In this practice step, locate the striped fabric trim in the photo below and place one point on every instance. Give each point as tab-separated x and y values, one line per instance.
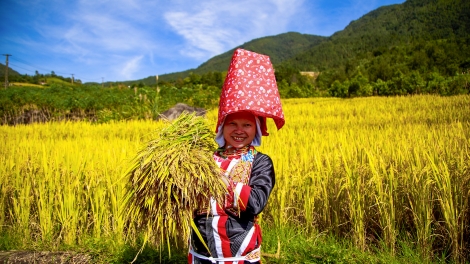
253	256
236	194
222	242
218	241
245	243
231	165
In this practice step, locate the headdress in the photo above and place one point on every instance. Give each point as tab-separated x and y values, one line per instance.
251	86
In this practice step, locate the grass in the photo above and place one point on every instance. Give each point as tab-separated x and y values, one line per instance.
27	84
297	246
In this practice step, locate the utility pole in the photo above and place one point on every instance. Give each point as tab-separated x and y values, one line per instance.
102	79
6	70
72	77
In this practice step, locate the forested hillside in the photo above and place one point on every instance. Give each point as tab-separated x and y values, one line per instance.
418	47
279	48
415	21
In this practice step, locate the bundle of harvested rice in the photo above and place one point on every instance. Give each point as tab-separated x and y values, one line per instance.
172	176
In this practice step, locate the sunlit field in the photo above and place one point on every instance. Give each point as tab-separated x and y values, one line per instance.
375	171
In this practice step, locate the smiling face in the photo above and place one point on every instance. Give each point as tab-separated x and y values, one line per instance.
239	129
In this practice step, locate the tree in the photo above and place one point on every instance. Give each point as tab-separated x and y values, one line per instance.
396	86
295	91
436	83
339	89
419	61
381	88
360	86
414	83
459	84
193	79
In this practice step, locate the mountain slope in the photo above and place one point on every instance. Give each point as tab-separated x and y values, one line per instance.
279	48
386	27
425	29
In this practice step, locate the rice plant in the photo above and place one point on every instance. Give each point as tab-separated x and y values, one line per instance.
375	170
172	176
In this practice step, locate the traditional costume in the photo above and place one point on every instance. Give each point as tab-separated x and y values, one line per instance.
229	232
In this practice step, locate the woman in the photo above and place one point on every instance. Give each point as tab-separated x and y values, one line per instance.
229	233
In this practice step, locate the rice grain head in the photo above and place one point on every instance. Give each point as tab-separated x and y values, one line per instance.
172	176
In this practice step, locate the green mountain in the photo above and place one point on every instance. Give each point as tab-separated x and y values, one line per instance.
421	35
279	48
418	47
386	27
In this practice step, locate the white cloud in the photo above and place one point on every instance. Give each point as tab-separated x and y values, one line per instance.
200	31
130	67
212	28
96	28
97	32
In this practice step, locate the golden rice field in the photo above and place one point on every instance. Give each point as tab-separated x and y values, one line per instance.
372	170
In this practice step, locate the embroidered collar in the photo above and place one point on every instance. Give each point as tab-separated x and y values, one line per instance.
246	153
231	152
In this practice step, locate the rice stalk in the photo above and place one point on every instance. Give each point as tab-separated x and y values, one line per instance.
354	187
420	202
170	178
453	204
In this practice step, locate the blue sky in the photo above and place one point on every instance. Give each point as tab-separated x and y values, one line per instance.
117	40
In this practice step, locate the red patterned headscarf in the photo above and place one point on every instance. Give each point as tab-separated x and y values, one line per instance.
251	86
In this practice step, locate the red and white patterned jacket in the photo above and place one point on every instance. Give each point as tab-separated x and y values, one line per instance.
231	230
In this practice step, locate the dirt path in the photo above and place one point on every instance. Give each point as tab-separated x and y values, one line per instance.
40	257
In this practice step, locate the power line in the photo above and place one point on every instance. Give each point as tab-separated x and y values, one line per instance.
96	79
16	66
35	69
46	70
34	66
